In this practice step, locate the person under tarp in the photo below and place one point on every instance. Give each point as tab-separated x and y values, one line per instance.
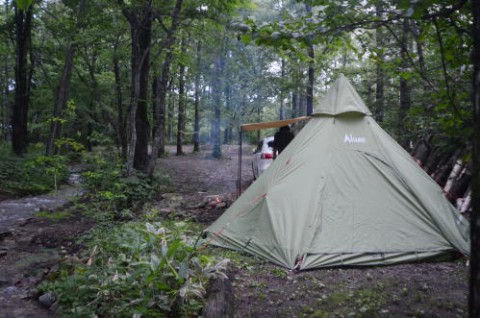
281	139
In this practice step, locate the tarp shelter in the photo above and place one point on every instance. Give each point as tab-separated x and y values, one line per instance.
260	126
343	192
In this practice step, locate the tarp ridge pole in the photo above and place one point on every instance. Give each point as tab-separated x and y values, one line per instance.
239	178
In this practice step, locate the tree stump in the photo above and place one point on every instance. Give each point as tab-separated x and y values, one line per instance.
219	302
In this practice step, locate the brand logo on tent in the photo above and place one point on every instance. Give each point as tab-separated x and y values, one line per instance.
351	139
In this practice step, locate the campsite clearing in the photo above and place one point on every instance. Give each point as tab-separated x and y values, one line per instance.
262	289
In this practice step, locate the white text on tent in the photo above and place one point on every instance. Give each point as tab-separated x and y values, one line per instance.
350	139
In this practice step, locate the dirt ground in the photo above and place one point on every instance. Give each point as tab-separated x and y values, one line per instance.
33	248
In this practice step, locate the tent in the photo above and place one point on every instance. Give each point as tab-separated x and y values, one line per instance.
343	193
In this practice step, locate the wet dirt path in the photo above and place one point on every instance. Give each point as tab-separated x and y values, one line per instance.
29	250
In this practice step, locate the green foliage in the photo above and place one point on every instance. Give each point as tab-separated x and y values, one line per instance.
113	194
54	166
57	215
136	269
33	174
24	4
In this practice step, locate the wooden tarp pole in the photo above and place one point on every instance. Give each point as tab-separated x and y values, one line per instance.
239	179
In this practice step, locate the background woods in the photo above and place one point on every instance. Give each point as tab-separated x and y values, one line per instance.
138	75
147	74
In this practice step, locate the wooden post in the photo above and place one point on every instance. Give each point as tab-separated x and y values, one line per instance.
220	301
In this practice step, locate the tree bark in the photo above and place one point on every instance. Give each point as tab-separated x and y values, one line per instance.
23	31
379	92
140	21
220	297
5	113
474	295
228	117
311	71
217	104
404	90
121	120
61	98
141	54
282	90
5	107
422	150
63	88
196	125
181	107
163	85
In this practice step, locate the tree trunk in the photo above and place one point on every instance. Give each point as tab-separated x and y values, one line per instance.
61	98
311	71
63	88
181	107
140	21
459	186
5	103
295	103
169	119
404	91
282	90
141	54
23	31
121	120
228	118
196	125
217	104
163	86
474	295
442	171
422	150
379	93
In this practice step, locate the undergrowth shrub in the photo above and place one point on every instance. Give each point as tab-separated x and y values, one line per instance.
112	194
136	269
31	174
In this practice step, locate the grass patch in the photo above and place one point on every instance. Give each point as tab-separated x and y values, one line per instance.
54	216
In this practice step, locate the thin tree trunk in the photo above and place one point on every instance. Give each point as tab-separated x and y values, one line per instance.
311	80
474	295
181	107
169	119
282	90
142	53
295	103
379	93
404	90
63	88
163	85
228	118
61	98
217	102
23	29
121	120
196	125
94	101
5	103
311	72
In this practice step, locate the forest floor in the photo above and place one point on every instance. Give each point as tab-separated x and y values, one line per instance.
32	247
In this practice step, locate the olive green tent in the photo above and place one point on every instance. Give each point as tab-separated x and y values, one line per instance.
342	193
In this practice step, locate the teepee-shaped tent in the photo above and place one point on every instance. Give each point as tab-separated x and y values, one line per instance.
342	193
